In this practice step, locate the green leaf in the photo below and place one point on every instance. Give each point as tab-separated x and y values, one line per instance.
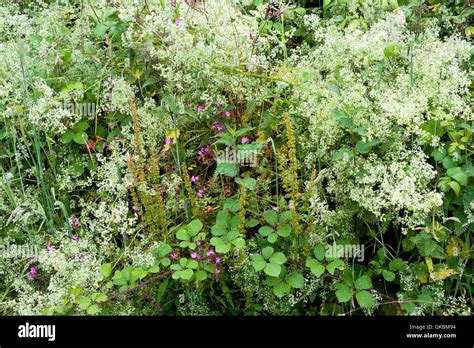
81	127
267	252
258	262
164	250
94	309
396	265
227	168
271	217
278	258
79	139
363	283
272	238
194	227
201	275
335	264
342	117
319	252
343	153
67	137
272	269
186	274
365	299
84	303
455	187
182	235
247	182
296	280
265	230
388	275
458	174
106	269
343	293
284	230
232	205
364	147
316	268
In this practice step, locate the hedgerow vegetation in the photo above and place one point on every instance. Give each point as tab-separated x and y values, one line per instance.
236	157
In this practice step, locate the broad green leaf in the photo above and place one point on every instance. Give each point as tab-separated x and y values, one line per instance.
316	268
194	227
106	269
271	217
363	283
265	230
343	293
365	299
296	280
258	262
267	252
278	258
319	252
335	264
272	269
182	235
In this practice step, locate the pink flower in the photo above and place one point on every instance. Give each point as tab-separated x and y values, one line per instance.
33	273
218	104
210	252
217	126
227	114
75	238
200	193
75	221
168	141
275	208
135	208
178	21
49	246
218	259
200	108
244	140
194	178
173	256
217	271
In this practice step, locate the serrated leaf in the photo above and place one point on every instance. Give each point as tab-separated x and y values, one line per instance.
343	293
365	299
363	283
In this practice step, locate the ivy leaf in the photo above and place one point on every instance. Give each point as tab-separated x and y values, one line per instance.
365	299
363	283
296	280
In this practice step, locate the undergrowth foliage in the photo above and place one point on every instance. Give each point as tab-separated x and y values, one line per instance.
236	157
